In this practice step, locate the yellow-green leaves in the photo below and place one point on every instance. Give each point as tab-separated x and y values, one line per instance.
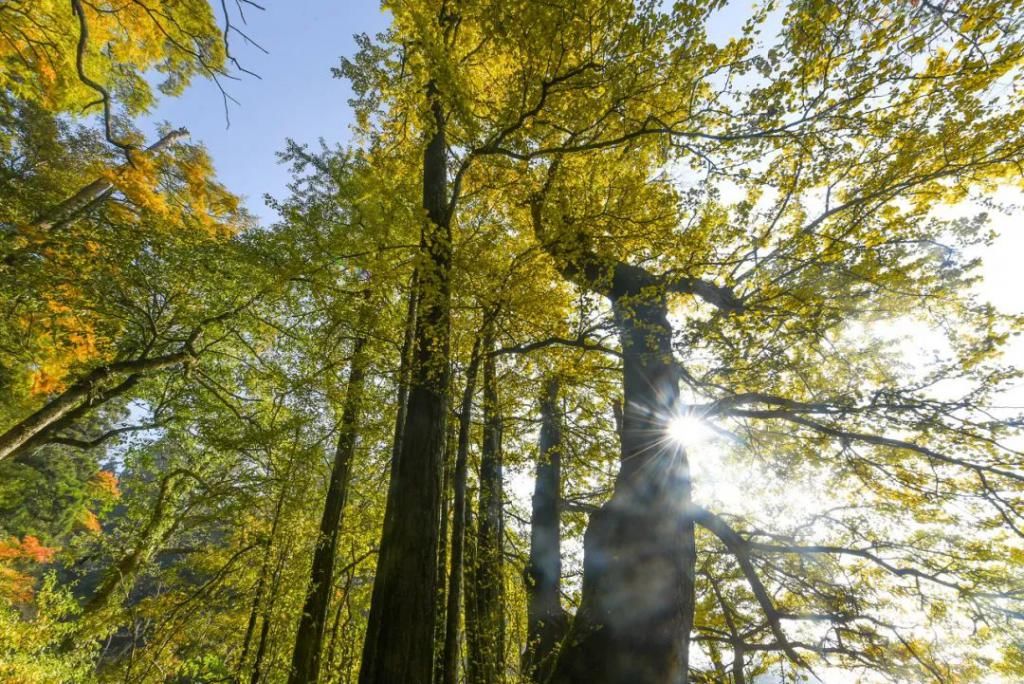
43	55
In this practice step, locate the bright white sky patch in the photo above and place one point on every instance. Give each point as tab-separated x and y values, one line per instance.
688	430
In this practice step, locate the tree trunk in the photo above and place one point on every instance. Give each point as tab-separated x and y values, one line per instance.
261	650
79	398
305	667
94	193
404	373
120	578
400	626
489	569
450	658
472	612
546	620
636	612
261	583
450	450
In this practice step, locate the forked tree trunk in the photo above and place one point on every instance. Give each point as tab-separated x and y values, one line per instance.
305	667
400	627
636	612
488	572
546	619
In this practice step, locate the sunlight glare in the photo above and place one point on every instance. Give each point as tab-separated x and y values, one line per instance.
688	430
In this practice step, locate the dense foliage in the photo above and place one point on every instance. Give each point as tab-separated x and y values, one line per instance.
577	364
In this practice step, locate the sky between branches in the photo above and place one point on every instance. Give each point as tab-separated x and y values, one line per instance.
297	97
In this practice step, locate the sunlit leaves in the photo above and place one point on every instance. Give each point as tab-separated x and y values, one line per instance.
126	39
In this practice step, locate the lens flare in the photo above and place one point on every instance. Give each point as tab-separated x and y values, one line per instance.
688	430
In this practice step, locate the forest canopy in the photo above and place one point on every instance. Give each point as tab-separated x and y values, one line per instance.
619	341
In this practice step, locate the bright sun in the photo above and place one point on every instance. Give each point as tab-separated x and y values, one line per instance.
689	430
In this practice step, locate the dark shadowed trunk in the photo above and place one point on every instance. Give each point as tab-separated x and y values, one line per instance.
488	572
450	657
261	583
636	612
309	639
451	652
440	630
400	627
404	373
472	611
258	662
546	620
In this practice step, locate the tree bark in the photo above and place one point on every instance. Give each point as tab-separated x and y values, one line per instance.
305	667
261	650
450	657
546	619
637	608
636	611
79	398
440	631
95	192
261	582
404	373
472	612
400	626
489	576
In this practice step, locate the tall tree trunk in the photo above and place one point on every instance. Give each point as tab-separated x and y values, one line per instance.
636	612
546	619
400	627
440	628
404	373
261	583
450	657
305	667
489	569
261	650
472	608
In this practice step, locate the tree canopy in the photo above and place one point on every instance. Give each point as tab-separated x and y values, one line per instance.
623	341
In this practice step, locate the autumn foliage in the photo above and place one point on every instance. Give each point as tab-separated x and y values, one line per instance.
621	342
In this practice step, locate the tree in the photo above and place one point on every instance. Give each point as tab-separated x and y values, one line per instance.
654	275
543	575
651	89
487	648
399	639
83	57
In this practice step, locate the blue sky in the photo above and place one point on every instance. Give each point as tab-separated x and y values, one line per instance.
296	97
